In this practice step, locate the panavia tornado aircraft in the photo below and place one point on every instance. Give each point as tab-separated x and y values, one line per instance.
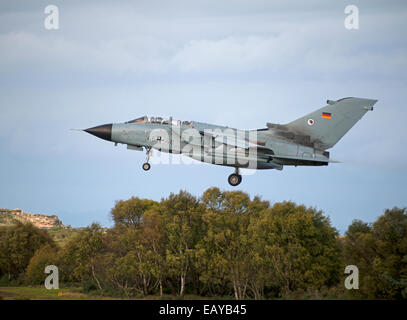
302	142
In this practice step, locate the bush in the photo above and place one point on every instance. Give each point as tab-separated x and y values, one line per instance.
5	281
17	246
46	255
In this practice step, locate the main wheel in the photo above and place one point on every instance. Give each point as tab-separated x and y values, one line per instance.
234	179
146	166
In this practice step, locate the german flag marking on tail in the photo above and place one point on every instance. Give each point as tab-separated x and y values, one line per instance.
326	115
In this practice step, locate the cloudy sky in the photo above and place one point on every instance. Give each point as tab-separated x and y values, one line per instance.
240	63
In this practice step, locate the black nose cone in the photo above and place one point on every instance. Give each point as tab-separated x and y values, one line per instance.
103	131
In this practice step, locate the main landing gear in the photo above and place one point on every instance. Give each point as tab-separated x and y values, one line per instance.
146	165
235	178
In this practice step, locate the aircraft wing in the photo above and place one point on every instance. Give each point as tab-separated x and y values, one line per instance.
235	141
306	158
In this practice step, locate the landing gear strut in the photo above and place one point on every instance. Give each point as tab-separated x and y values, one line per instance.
235	178
146	165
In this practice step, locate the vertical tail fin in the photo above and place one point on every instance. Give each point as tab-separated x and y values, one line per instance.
326	126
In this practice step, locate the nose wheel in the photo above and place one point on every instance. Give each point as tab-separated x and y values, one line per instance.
235	178
146	165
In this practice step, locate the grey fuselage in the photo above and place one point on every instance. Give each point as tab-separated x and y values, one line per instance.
301	142
257	149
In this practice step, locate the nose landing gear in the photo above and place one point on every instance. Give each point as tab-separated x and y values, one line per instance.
146	165
235	178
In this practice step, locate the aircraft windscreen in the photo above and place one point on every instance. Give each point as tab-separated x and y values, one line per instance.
139	120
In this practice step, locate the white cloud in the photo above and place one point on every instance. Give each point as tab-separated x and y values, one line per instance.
270	51
136	40
231	54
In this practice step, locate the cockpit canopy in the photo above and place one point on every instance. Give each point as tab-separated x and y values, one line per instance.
139	120
159	120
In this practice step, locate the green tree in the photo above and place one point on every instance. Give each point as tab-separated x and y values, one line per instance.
18	244
130	212
390	264
152	238
224	251
137	242
79	257
182	215
359	249
380	253
296	248
133	265
44	256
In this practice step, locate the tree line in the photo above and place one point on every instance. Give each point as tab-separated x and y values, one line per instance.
222	244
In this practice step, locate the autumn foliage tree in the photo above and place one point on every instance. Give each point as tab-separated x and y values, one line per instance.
183	229
18	244
379	250
44	256
224	243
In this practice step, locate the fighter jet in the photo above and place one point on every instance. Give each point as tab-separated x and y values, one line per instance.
302	142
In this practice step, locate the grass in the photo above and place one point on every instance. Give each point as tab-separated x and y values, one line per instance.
40	293
74	293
